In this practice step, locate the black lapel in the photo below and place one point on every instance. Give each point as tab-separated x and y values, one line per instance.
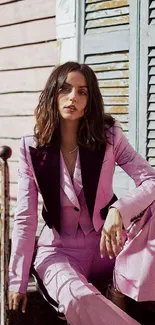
91	163
46	164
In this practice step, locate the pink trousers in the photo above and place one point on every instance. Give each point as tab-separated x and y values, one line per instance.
65	270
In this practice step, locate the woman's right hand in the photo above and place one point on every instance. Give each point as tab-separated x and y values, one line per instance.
16	300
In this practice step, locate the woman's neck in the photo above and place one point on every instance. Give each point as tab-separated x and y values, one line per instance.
68	131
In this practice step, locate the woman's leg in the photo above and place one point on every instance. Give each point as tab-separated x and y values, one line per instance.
79	300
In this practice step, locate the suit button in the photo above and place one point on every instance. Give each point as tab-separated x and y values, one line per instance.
76	209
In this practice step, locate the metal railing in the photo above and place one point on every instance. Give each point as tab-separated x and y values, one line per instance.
5	153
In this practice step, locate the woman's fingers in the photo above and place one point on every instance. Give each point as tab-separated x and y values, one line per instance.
102	245
16	300
24	303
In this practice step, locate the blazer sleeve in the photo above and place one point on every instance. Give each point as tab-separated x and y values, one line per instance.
25	226
138	199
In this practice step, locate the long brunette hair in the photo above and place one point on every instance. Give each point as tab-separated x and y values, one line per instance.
95	122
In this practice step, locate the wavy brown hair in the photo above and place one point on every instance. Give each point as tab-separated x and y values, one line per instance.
93	125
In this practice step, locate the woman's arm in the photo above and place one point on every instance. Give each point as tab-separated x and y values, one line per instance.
25	226
135	201
138	199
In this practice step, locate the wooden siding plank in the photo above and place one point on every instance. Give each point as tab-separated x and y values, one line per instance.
114	83
106	5
13	167
30	32
114	91
44	54
22	11
151	107
152	98
122	20
9	129
106	58
107	13
110	66
18	103
5	1
116	100
116	109
26	80
113	74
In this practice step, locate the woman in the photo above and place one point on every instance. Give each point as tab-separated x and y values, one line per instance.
70	161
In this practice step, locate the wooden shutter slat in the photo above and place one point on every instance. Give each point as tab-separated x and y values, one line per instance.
151	161
152	80
151	143
151	116
114	83
116	109
151	152
152	98
110	66
151	134
152	5
151	107
151	125
107	58
152	90
152	62
105	4
113	74
152	71
107	13
116	100
108	22
114	91
152	15
152	53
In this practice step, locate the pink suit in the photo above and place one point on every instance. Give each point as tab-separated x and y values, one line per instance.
65	260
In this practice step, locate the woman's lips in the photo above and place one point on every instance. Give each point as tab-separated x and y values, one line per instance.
70	108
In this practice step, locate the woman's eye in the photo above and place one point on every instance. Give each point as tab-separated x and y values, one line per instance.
64	89
82	92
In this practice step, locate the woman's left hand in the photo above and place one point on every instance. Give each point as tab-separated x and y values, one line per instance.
111	236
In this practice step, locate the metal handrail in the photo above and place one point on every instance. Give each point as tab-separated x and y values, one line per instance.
5	153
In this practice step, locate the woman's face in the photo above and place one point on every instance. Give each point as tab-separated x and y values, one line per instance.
73	96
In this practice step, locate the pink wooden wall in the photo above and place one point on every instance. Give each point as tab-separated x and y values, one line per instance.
28	52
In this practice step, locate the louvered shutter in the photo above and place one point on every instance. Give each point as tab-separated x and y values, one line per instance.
147	82
104	45
101	14
106	50
112	71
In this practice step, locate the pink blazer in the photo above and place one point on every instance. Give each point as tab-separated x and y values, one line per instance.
35	176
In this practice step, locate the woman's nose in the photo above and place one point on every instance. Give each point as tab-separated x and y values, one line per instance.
73	95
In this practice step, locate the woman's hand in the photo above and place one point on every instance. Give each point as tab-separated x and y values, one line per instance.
17	299
111	236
